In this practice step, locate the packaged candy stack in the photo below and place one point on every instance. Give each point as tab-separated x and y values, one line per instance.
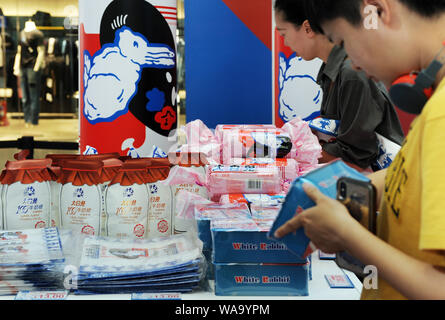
242	179
205	213
246	262
167	264
30	260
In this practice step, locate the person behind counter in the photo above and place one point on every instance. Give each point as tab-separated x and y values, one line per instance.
361	105
409	249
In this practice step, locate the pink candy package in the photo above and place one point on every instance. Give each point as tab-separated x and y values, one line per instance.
253	142
289	168
305	146
200	139
242	179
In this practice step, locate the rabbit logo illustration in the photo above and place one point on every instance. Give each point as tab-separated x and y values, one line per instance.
117	67
299	93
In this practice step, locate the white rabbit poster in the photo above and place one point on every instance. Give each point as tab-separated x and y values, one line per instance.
128	76
297	94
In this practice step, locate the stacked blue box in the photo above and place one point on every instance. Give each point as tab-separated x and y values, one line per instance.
248	264
261	279
204	214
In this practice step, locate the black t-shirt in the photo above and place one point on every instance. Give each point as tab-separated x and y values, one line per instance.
363	108
29	41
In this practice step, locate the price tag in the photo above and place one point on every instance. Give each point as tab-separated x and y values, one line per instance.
156	296
339	281
41	295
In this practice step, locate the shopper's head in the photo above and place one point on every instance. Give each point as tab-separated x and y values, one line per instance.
292	24
385	38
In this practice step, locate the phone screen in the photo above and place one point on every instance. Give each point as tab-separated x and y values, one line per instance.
359	197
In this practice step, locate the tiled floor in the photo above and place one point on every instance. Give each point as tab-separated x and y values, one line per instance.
63	130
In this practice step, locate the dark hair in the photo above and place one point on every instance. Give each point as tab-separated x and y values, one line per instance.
320	11
293	11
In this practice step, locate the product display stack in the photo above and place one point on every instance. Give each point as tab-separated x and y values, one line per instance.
30	260
205	211
247	183
117	266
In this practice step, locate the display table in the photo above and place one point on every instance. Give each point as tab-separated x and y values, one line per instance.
319	288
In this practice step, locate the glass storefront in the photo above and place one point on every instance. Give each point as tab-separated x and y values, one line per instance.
57	20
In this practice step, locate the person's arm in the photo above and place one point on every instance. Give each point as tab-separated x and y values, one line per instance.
378	180
40	61
332	229
413	278
16	69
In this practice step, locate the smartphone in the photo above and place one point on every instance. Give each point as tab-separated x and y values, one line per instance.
360	197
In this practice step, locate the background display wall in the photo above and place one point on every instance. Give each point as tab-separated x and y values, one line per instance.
238	69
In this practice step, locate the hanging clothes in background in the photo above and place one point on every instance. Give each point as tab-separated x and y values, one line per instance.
42	19
60	74
2	53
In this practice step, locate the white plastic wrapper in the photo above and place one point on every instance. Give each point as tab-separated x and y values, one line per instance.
127	210
26	247
55	210
80	208
190	179
27	206
116	256
1	207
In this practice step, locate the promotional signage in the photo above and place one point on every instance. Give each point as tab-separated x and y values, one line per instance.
128	75
297	93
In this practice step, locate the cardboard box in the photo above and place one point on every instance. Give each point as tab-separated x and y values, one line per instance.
261	279
237	242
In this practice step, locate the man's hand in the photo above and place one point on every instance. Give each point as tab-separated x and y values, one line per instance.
325	224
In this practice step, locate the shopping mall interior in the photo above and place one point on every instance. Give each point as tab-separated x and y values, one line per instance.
59	95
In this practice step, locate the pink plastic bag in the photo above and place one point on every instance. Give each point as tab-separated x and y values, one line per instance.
200	139
305	146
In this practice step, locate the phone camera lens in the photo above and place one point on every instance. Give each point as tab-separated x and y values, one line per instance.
343	190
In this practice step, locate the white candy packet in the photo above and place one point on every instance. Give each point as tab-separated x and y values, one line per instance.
80	196
126	201
26	194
